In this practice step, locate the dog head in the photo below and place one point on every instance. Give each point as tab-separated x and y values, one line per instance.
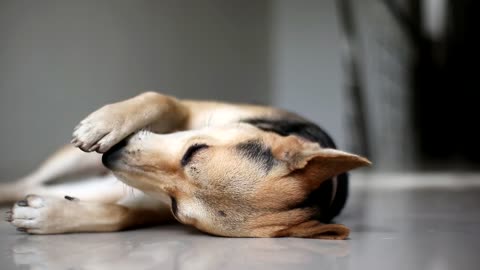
235	180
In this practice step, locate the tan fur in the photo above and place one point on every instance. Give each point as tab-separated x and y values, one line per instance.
315	229
219	191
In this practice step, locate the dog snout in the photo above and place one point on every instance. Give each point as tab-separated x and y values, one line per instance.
112	156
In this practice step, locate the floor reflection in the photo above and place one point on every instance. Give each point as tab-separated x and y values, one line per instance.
172	248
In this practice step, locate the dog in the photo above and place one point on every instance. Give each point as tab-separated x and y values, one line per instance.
230	170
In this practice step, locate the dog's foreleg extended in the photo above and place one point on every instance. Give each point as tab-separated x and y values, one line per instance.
51	215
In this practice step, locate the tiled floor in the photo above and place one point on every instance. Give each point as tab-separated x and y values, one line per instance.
425	222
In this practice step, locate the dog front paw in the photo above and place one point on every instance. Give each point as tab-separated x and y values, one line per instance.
39	215
102	129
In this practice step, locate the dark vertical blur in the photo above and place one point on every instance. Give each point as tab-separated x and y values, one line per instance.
446	86
422	92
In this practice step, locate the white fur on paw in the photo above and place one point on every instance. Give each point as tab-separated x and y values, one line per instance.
39	215
100	130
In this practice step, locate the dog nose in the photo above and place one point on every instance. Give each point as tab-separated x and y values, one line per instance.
113	155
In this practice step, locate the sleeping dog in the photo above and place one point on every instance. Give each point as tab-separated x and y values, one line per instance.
228	169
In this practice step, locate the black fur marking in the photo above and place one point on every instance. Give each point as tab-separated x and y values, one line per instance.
340	198
319	198
221	213
258	153
300	128
187	157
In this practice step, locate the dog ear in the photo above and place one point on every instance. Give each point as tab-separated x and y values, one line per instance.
316	229
313	162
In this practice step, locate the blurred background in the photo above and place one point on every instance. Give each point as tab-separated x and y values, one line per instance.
393	80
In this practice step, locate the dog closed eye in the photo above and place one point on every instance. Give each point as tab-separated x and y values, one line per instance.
187	157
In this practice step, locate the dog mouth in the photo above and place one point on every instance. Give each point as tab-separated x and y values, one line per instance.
111	158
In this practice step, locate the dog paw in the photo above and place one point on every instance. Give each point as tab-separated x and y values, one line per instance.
102	129
39	215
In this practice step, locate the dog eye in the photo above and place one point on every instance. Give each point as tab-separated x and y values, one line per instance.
190	152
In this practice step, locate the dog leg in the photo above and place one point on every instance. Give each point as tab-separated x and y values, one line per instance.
112	123
68	161
50	215
105	189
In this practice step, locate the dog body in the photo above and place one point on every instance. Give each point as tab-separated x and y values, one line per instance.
227	169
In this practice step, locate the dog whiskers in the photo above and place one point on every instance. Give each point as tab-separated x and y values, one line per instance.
127	190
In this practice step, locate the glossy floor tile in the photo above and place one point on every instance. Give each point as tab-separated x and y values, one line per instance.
394	226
